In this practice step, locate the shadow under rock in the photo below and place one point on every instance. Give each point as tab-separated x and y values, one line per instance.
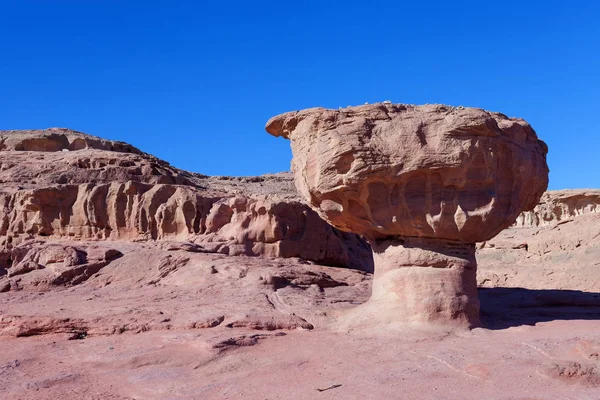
503	308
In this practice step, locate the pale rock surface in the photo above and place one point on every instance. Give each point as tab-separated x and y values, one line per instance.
561	205
393	173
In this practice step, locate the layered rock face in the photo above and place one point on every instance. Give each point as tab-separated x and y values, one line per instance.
59	156
554	246
560	205
423	184
63	184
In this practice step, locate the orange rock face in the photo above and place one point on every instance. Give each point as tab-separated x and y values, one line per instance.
421	171
397	172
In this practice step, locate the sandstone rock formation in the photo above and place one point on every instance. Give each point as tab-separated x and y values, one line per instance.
62	184
93	292
422	184
554	246
41	265
561	205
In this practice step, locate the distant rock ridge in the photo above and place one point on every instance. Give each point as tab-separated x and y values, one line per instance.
58	139
560	205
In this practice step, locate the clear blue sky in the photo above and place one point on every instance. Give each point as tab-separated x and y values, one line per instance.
195	82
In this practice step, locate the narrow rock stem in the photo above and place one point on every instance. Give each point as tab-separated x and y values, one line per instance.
420	281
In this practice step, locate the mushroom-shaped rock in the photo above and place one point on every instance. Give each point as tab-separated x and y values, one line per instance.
423	184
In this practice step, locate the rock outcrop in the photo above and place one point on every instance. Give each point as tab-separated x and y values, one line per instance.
62	184
561	205
55	264
423	184
262	226
554	246
58	139
41	158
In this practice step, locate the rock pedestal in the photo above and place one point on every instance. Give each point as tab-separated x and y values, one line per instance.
424	282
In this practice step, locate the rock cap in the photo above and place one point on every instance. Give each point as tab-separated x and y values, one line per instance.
397	170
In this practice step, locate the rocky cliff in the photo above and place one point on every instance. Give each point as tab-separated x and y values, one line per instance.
560	205
63	184
556	245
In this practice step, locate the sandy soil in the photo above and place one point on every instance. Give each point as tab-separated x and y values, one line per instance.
552	360
162	324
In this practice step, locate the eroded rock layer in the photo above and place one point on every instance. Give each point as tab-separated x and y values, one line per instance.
560	205
62	184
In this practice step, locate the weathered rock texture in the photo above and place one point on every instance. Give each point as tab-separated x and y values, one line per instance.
555	246
560	205
392	173
62	184
42	265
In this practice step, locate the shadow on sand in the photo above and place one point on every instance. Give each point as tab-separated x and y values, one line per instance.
503	308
